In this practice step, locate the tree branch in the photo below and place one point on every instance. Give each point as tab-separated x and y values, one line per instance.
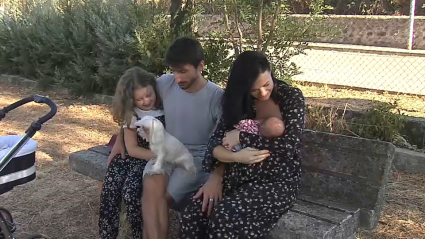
237	25
260	26
229	31
270	37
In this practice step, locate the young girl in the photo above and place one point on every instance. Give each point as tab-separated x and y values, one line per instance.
135	97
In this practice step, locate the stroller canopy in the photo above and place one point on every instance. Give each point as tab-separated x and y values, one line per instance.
7	143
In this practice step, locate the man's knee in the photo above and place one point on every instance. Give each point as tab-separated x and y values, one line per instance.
155	186
169	199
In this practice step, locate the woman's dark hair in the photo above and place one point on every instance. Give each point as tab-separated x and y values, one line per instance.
237	100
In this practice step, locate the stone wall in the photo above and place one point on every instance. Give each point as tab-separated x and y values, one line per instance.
384	31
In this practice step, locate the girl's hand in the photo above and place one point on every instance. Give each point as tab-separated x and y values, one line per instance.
212	192
118	148
250	155
231	139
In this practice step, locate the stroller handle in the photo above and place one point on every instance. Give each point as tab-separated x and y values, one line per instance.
50	103
32	129
37	99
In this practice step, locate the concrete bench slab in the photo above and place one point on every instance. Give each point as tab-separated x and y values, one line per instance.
91	162
343	185
312	219
349	170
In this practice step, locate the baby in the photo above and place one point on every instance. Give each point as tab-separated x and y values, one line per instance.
270	127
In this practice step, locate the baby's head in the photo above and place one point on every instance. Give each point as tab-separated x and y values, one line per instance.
272	127
136	88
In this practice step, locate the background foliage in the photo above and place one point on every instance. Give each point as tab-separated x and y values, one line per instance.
86	45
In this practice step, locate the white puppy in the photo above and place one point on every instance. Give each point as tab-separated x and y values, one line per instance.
166	147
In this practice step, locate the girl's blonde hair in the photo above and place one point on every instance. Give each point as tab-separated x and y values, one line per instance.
123	102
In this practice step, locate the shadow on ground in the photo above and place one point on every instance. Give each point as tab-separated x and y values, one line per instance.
64	204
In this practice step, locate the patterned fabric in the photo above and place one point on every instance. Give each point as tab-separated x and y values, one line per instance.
123	181
254	196
249	126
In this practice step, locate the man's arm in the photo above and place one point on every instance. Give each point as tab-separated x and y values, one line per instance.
216	108
163	85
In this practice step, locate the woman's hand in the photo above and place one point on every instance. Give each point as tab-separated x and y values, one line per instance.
250	155
231	139
212	191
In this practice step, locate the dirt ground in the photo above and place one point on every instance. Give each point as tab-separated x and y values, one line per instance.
64	204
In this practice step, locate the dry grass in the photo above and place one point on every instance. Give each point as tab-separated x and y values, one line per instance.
63	204
340	97
404	213
59	203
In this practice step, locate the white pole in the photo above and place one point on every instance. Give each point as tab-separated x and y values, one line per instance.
411	24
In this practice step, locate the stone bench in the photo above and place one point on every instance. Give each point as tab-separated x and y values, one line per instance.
343	185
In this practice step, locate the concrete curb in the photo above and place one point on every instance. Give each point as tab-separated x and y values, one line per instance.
366	49
103	99
409	161
19	81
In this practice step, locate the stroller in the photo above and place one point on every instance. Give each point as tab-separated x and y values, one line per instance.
17	160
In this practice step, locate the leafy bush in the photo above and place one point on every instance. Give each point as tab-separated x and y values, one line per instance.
83	45
86	45
380	122
266	27
218	59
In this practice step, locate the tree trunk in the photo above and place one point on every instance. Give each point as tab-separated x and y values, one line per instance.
260	26
272	28
175	8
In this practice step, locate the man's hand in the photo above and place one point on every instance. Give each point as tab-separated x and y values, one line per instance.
212	192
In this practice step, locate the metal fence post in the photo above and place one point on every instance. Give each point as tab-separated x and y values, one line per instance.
411	24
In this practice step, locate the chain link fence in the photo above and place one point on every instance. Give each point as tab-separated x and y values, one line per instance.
371	56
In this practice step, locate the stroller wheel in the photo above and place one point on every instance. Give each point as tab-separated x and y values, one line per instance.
36	236
7	217
6	214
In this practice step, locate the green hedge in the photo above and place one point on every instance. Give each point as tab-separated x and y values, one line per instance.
86	45
83	46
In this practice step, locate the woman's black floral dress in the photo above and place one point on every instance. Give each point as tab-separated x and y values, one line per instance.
254	196
123	181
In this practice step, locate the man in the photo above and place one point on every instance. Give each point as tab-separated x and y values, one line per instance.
192	109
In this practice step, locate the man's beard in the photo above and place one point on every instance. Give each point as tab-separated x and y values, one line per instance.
188	84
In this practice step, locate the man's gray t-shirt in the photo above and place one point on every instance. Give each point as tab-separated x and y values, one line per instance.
190	117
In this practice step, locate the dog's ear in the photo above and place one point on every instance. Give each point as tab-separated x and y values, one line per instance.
156	132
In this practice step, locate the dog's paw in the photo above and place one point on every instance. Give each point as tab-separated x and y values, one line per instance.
191	170
156	171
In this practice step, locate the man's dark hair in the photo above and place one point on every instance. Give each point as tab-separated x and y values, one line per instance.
184	50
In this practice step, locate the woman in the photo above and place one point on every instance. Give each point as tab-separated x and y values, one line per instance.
259	183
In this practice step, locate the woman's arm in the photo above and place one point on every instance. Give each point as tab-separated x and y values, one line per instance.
292	106
223	155
210	161
134	150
